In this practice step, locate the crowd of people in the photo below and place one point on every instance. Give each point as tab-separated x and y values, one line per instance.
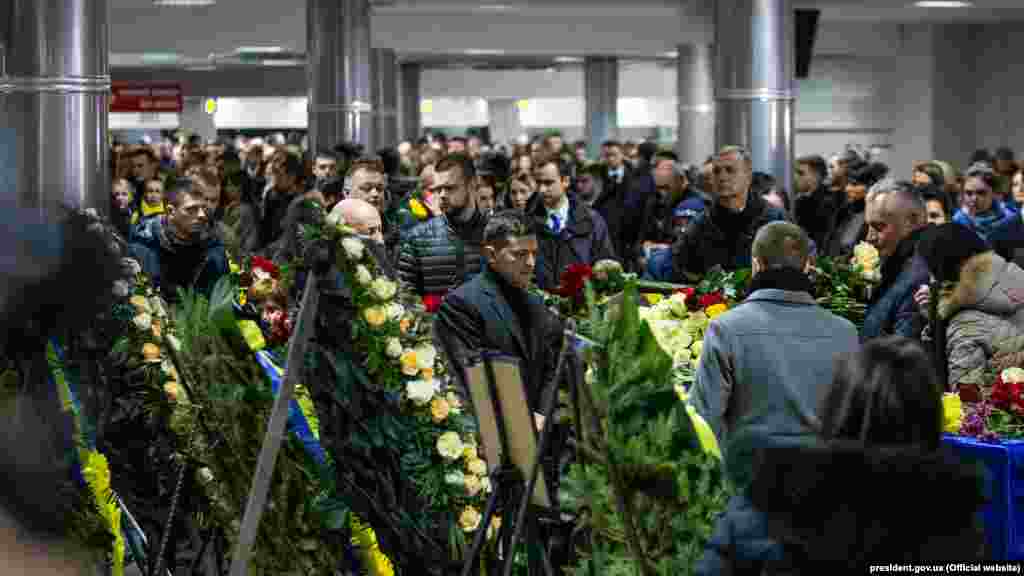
471	229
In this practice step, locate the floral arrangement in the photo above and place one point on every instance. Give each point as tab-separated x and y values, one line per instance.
649	478
999	416
395	343
679	321
843	287
866	260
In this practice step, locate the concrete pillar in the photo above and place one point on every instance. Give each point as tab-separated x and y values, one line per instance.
196	120
409	114
696	94
54	98
601	91
340	73
754	61
385	96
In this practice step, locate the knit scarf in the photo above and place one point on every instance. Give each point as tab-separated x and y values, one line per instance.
151	209
787	279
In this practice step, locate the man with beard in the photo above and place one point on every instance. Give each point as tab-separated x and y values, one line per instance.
288	178
444	252
325	168
179	248
723	235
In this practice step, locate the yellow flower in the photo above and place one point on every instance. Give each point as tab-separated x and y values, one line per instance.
420	391
171	389
449	446
697	348
952	413
439	409
157	328
150	352
653	299
375	316
140	303
469	451
232	267
470	519
418	209
408	362
866	255
715	310
404	325
473	485
426	355
427	374
704	433
476	466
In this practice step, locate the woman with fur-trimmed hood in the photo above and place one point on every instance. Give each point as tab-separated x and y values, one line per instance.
980	312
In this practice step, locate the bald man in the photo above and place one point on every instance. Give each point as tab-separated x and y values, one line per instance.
360	215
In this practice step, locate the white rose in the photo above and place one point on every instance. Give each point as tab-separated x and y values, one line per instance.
394	348
143	321
420	391
396	311
426	355
122	289
866	255
205	475
449	446
486	483
363	276
353	248
1013	375
383	289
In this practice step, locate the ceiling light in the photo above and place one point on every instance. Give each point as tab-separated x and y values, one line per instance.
943	4
200	68
672	54
568	59
284	63
184	3
496	7
159	58
259	50
483	52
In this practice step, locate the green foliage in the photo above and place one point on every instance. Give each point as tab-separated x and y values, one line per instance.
650	495
733	285
223	426
841	289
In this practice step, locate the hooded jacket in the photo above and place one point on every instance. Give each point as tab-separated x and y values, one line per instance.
804	513
984	315
172	264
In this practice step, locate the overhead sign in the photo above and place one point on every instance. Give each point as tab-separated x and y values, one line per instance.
147	97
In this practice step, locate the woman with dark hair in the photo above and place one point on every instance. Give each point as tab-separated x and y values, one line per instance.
850	228
808	512
979	315
980	210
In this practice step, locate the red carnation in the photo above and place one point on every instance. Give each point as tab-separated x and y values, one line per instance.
1005	395
260	263
573	279
432	302
711	299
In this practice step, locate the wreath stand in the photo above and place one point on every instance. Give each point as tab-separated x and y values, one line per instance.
509	485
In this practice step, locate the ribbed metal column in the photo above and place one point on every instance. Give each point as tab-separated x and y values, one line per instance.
385	96
340	73
696	93
601	91
410	110
754	82
54	94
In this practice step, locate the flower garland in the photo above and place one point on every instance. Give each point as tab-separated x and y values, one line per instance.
999	416
396	342
90	464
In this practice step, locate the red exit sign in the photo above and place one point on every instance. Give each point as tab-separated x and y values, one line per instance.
148	97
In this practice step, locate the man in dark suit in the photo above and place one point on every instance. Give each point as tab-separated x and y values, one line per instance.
494	312
611	204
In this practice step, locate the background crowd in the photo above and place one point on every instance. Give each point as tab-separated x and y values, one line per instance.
947	309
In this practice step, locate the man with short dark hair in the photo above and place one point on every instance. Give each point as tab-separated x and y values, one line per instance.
325	168
495	312
444	252
612	202
288	178
723	235
569	232
816	205
179	249
895	217
767	363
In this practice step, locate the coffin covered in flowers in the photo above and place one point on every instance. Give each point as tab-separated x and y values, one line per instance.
991	433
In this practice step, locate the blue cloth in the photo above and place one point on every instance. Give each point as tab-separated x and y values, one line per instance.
689	208
984	224
199	269
659	265
297	423
762	371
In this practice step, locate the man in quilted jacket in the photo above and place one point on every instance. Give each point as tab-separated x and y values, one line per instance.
444	252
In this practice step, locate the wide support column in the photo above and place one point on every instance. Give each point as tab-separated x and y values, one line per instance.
754	82
410	109
54	98
695	140
340	73
385	96
601	91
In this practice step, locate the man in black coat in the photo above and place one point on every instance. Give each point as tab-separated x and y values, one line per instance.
817	205
494	312
611	202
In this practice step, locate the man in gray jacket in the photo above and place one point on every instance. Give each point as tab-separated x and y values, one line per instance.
767	363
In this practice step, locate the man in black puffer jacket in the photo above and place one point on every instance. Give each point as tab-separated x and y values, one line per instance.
444	252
